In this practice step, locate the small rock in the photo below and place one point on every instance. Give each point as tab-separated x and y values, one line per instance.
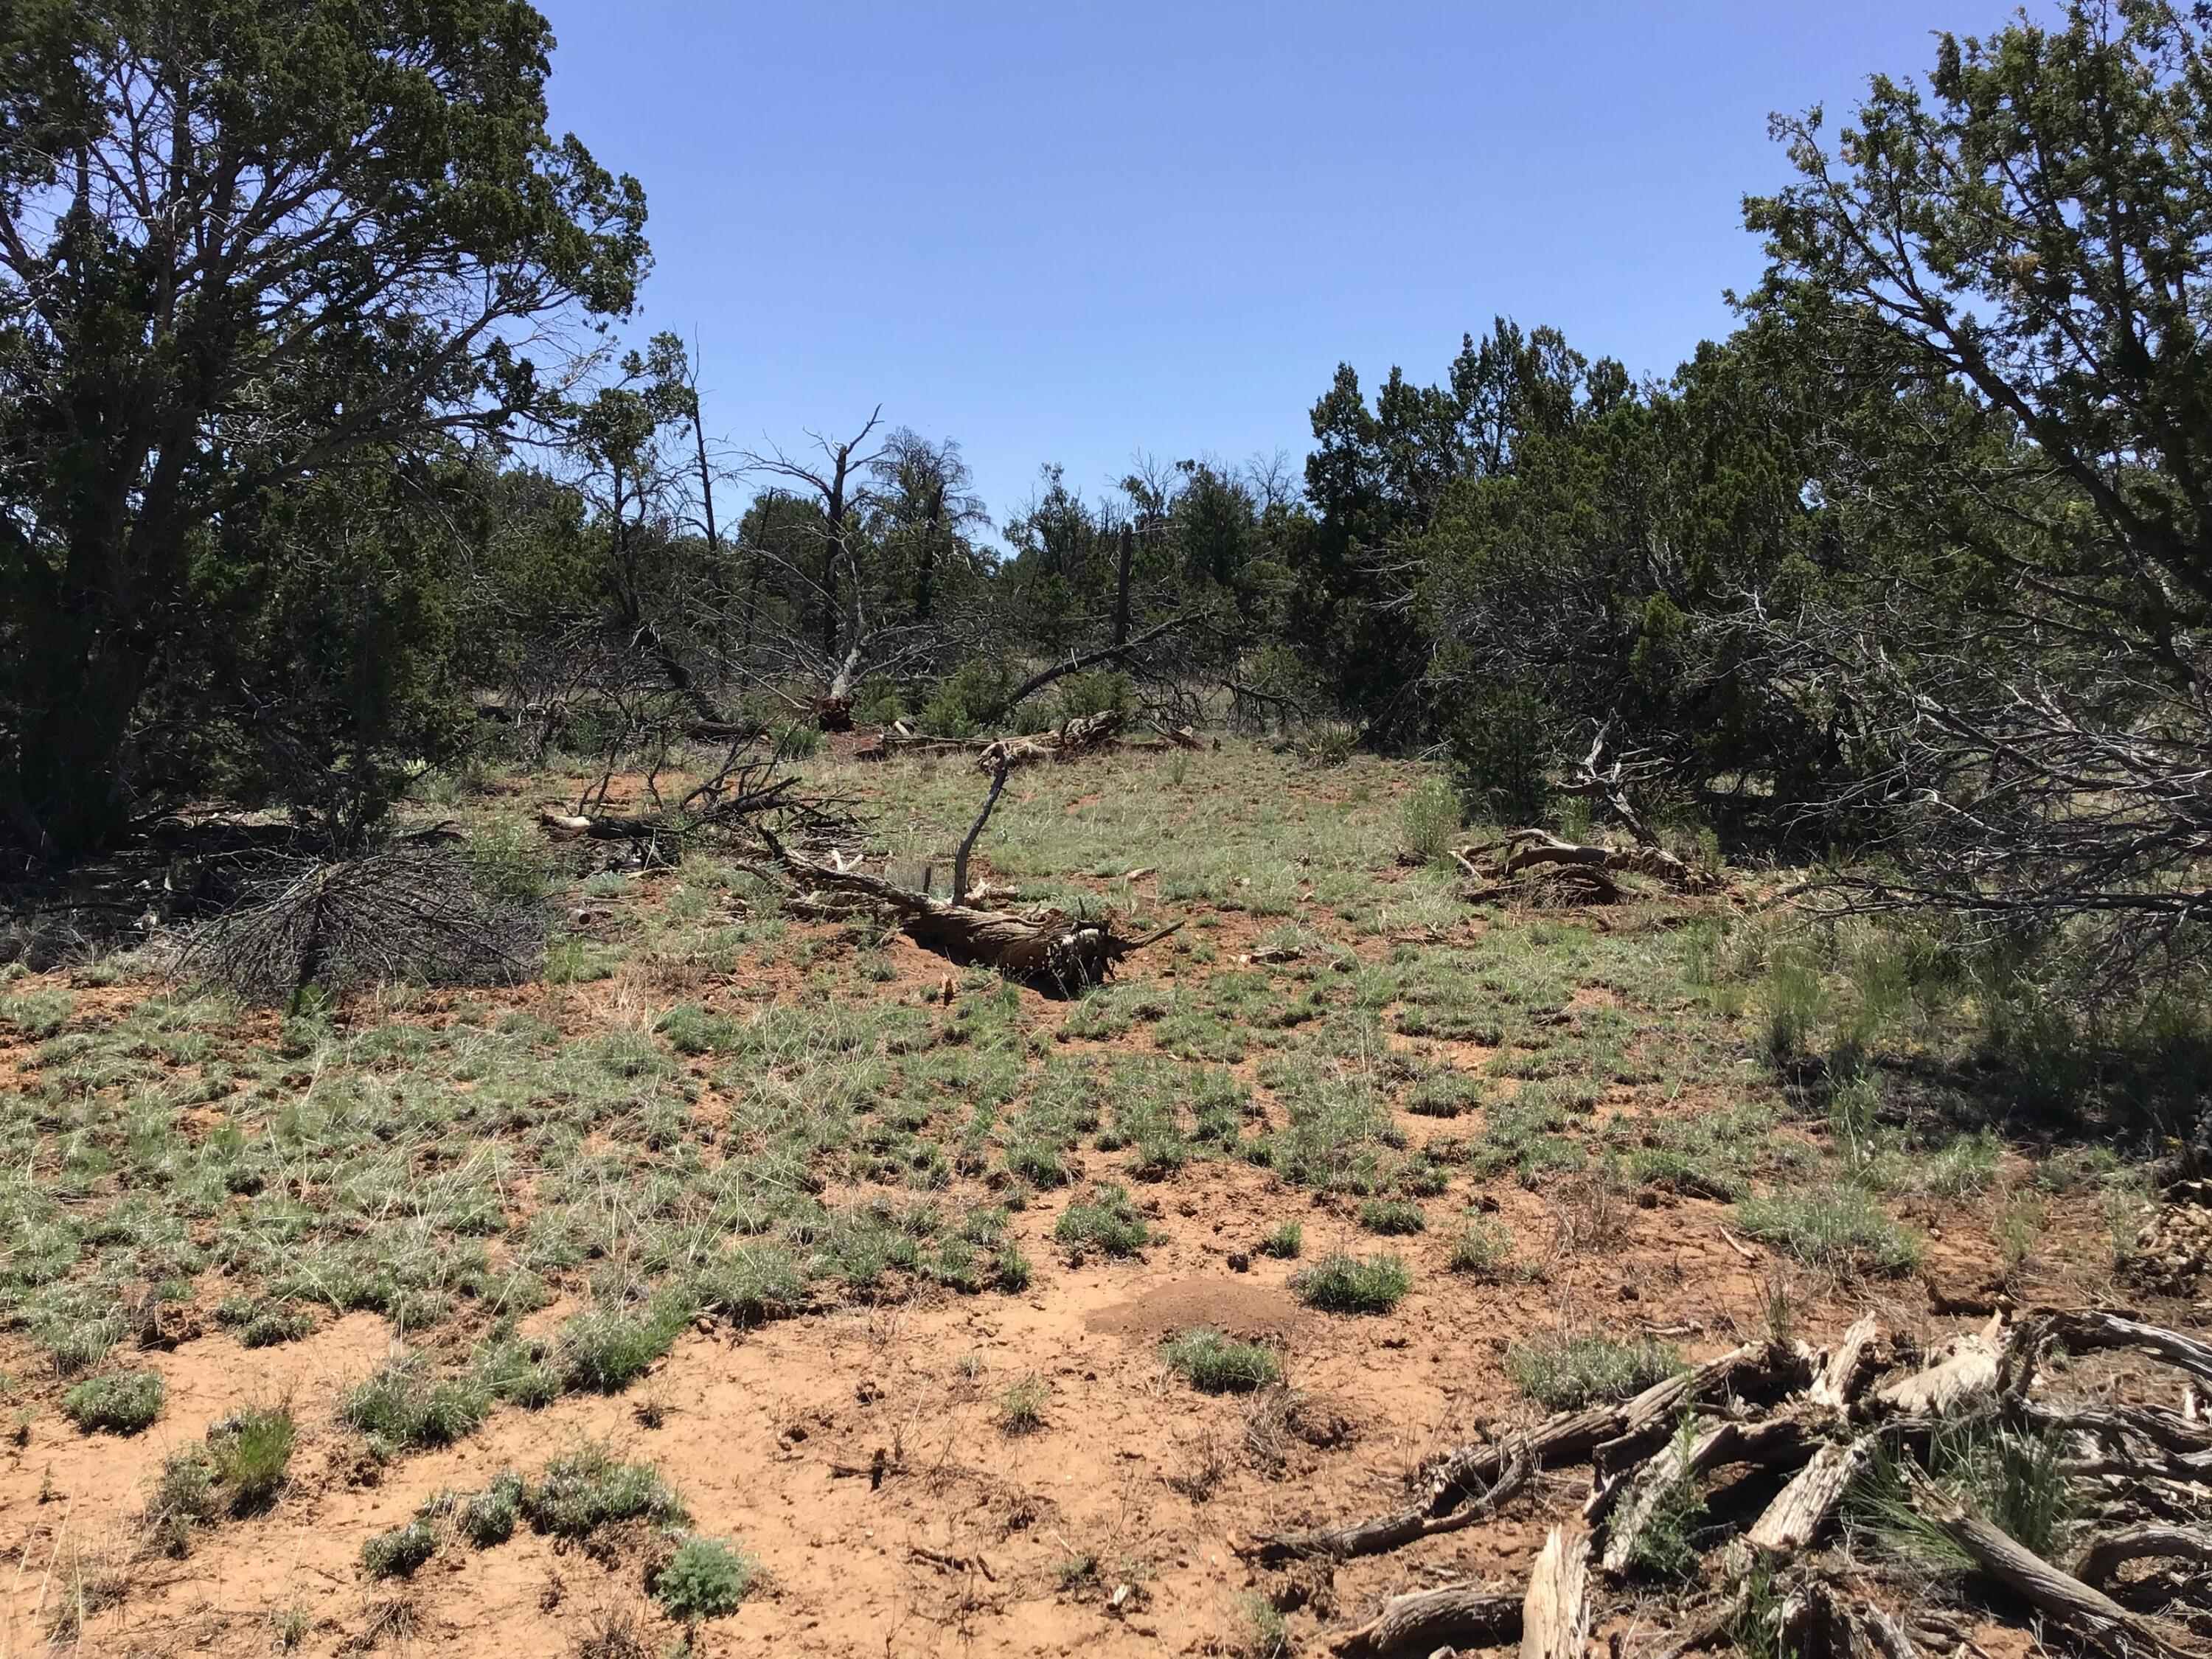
1239	1262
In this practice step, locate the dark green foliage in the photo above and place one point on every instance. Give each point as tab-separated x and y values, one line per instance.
215	577
122	1403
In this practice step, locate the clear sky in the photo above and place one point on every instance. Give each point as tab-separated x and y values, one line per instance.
1069	230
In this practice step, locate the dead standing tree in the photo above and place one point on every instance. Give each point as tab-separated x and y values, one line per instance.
847	642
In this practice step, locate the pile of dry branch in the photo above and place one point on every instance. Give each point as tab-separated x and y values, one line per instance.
1521	862
1796	1429
749	788
1084	734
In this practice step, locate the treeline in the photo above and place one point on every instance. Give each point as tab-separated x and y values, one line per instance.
308	486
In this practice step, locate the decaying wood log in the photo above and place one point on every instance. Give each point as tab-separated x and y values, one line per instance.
1426	1619
1478	1475
1555	1615
1778	1440
2093	1328
1047	948
1794	1520
1820	1619
1072	738
1965	1369
1465	1488
2101	1562
2088	1611
1520	852
1849	1366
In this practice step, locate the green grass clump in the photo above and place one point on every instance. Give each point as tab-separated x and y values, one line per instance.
580	1494
1445	1094
705	1578
253	1451
1840	1229
1284	1242
397	1553
605	1351
1429	817
1216	1364
1021	1406
1340	1283
1482	1247
400	1405
273	1325
124	1402
2018	1480
184	1500
1107	1222
487	1517
1393	1218
1667	1546
1567	1375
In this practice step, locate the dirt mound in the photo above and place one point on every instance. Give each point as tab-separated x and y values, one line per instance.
1254	1312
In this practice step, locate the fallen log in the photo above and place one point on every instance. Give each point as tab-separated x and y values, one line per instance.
1781	1441
1555	1615
1076	737
2101	1562
1047	948
1795	1519
1521	851
1471	1481
1965	1369
1849	1366
2095	1327
1426	1619
2088	1611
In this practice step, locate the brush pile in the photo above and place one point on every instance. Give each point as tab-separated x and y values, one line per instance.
1742	1491
1525	863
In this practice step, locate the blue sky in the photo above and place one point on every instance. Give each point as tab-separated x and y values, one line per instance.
1067	231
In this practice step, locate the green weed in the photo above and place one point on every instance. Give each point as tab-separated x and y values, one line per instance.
1340	1283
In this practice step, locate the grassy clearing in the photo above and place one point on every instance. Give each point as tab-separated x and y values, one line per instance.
713	1113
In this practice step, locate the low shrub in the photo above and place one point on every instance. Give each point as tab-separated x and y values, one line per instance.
705	1578
1840	1229
123	1402
397	1553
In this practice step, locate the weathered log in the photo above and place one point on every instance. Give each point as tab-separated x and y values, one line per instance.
1426	1619
1781	1441
1849	1366
1520	851
1072	738
1049	948
1821	1619
1555	1615
1965	1369
2095	1327
2088	1611
1480	1476
1801	1510
2101	1562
